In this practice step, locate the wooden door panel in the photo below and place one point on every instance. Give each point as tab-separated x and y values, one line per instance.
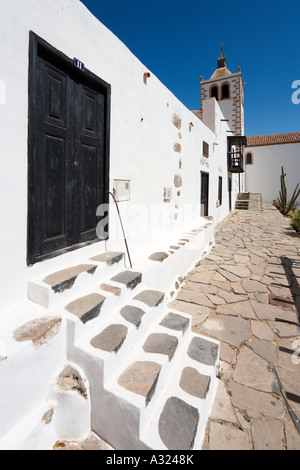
89	200
49	166
68	152
90	113
54	187
56	103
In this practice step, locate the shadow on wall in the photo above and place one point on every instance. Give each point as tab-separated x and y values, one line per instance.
289	265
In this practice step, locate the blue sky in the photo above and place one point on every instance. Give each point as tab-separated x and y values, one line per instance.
180	41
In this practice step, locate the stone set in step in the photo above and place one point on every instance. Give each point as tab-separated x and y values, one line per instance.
132	314
109	257
178	424
141	378
159	343
65	279
194	383
110	339
123	342
176	322
178	420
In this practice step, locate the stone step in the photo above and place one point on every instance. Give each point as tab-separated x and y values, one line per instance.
119	330
153	355
65	279
113	289
141	378
113	302
86	308
132	314
110	339
178	424
160	343
204	351
109	258
145	366
59	287
157	343
129	278
178	420
174	321
194	383
150	297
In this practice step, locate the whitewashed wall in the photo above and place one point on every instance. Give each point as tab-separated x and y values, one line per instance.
142	137
264	175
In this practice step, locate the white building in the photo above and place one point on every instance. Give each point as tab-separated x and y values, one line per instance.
81	116
264	157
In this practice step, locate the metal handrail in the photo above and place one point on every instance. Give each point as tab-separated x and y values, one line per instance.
124	236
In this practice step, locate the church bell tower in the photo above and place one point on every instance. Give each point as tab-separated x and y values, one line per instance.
228	89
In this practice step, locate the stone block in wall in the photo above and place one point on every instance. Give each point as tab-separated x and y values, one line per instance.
177	148
177	181
176	121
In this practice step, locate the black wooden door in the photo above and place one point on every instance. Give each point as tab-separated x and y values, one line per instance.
204	193
67	158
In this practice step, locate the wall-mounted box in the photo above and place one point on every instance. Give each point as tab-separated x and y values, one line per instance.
167	194
122	190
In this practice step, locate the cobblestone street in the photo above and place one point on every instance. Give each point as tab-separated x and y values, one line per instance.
246	294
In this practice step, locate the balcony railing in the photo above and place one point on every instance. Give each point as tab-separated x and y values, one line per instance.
235	162
235	153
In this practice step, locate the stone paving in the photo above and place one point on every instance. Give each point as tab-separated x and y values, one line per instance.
246	294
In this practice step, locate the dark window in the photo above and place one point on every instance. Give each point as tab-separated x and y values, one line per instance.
249	159
225	92
204	193
220	190
205	149
215	93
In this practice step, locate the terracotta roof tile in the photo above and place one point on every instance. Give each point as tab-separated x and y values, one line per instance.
221	72
276	139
